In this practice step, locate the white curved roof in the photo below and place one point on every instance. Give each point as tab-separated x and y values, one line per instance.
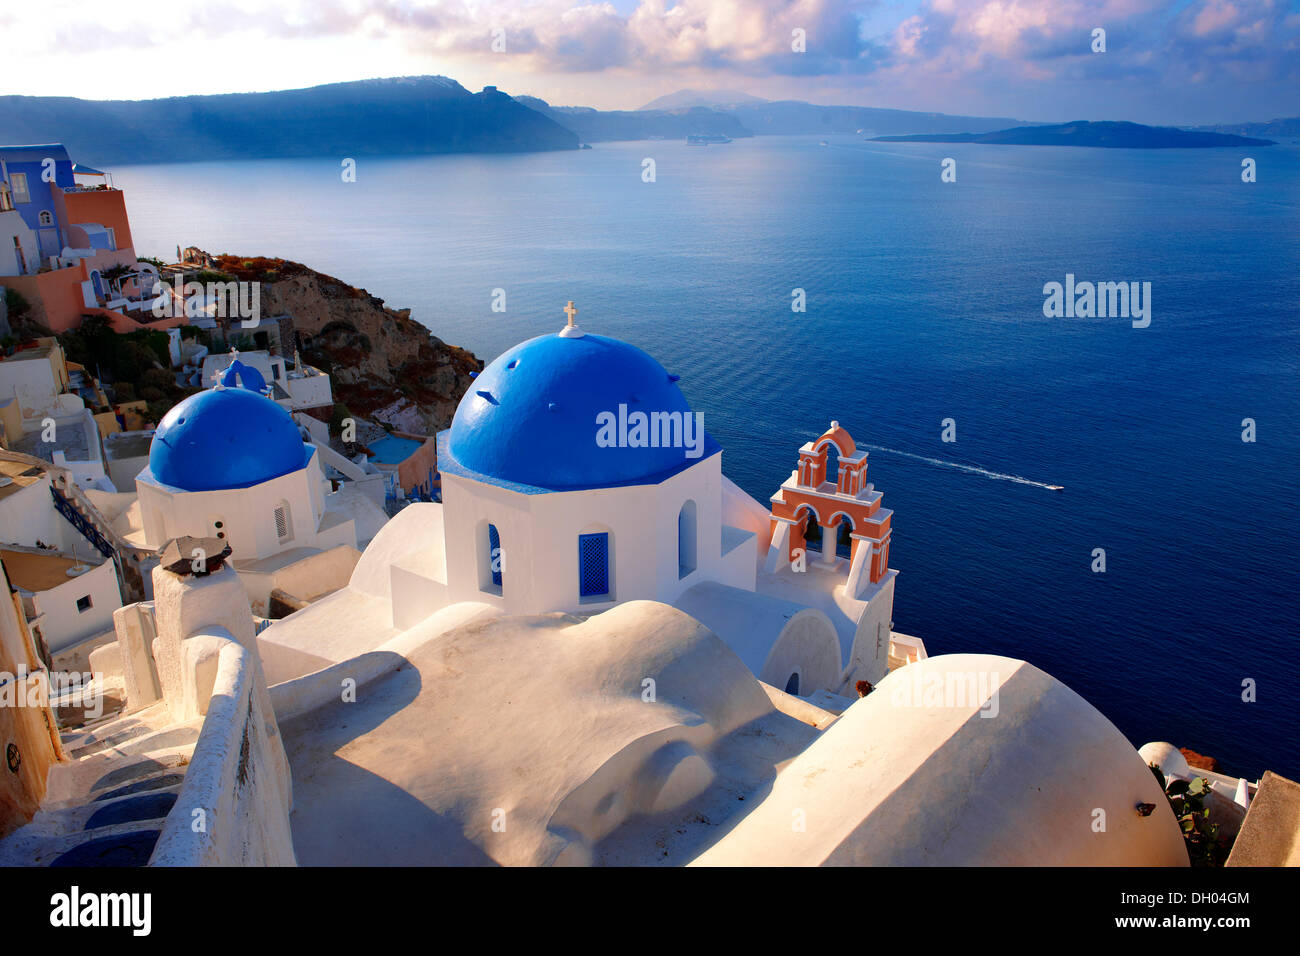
912	775
753	625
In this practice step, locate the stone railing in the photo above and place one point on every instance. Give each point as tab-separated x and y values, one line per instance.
233	808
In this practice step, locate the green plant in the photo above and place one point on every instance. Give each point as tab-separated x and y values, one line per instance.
340	415
160	408
17	305
1187	800
159	378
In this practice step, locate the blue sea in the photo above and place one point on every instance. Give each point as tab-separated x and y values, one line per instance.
924	303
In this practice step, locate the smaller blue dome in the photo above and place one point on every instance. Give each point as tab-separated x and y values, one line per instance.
225	438
237	373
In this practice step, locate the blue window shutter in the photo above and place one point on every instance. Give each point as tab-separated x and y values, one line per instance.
593	564
494	554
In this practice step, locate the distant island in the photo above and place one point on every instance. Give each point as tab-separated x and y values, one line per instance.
1112	135
603	126
390	117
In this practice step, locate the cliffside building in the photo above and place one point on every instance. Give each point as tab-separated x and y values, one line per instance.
66	247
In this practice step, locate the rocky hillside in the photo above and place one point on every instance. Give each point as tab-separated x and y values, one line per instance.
383	363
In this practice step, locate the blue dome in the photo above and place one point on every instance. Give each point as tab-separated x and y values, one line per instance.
531	416
225	438
237	373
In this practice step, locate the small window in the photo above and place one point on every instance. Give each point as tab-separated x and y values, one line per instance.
46	218
18	182
84	604
593	564
792	685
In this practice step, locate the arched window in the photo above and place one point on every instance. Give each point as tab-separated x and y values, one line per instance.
593	566
844	543
491	558
812	529
832	463
792	685
283	522
686	539
495	560
46	218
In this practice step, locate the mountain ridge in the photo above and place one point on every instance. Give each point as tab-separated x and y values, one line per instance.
391	116
1105	134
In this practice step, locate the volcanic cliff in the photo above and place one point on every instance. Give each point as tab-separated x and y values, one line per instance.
384	365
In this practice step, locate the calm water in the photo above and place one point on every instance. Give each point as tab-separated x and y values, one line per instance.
924	303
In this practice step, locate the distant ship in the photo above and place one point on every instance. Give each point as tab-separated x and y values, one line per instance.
704	139
823	143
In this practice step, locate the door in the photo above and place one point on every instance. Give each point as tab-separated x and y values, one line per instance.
49	240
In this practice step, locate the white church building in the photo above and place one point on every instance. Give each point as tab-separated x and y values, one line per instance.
577	478
232	464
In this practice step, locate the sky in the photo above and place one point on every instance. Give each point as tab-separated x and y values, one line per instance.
1183	62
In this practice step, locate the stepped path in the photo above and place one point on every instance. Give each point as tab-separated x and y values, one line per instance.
105	805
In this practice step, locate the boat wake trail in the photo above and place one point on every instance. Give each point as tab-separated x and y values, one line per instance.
972	469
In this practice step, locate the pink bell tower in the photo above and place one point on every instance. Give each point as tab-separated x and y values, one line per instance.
836	501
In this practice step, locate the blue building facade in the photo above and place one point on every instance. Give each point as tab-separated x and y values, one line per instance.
29	172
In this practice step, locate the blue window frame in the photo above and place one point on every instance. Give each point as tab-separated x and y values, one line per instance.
494	554
593	564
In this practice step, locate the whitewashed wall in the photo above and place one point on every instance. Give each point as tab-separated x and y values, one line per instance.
247	514
539	537
60	621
